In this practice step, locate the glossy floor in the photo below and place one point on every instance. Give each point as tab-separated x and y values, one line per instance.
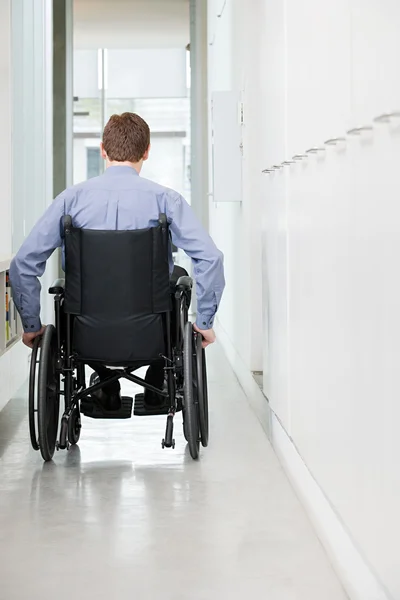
121	518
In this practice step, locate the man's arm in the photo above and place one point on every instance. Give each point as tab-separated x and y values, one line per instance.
30	262
188	234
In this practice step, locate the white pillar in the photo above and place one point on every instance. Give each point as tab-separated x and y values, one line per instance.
62	95
199	114
199	128
32	122
5	128
62	99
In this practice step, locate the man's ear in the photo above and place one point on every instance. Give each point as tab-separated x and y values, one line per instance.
102	151
146	154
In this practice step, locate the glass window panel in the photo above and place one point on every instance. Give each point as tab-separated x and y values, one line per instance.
93	162
86	76
167	116
146	73
87	115
162	114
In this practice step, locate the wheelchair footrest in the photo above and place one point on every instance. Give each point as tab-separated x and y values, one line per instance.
142	410
95	411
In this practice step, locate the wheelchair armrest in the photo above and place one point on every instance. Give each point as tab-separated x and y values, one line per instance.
57	287
184	283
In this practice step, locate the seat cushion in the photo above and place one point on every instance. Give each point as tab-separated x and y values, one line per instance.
125	341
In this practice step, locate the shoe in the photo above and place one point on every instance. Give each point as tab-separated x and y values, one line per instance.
153	400
109	397
110	402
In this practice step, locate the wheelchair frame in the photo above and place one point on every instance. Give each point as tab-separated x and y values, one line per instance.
185	369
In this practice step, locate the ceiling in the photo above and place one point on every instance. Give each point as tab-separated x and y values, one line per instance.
131	24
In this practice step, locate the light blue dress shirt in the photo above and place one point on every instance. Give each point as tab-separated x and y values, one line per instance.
118	199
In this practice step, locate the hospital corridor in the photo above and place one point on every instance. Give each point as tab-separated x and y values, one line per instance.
199	322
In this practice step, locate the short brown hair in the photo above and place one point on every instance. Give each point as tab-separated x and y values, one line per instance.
126	138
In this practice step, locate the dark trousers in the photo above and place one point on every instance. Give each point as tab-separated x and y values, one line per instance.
155	372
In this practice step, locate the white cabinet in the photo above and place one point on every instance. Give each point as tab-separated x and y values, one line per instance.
274	240
303	90
272	83
320	305
334	49
275	336
331	242
318	72
375	58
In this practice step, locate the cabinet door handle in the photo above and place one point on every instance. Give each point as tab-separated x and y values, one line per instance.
288	162
221	11
358	130
315	150
299	157
385	118
334	141
267	171
277	167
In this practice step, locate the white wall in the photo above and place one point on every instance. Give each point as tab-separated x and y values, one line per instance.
131	23
5	126
132	73
25	152
32	147
235	227
330	239
13	363
86	73
147	73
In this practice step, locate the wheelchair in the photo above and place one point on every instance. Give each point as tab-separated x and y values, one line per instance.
116	308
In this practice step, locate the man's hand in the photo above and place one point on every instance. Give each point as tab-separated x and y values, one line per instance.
28	338
208	335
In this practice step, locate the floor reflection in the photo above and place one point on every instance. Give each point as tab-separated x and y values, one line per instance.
118	517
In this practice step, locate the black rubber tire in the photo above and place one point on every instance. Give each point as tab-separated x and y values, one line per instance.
32	395
74	427
185	434
190	406
48	394
202	392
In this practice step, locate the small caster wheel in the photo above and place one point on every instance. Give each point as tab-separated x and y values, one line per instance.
173	444
74	427
62	443
163	444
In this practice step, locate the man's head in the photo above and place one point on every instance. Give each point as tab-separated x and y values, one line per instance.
126	139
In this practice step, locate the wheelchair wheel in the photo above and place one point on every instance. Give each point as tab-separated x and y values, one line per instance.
48	394
33	411
202	392
190	406
74	427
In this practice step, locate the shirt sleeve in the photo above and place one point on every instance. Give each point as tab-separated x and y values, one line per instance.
188	234
30	262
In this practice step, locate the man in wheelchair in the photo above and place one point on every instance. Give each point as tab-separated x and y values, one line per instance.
123	303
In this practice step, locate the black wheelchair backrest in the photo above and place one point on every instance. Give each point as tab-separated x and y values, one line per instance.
117	288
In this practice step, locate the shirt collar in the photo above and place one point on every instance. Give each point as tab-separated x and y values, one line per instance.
120	170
